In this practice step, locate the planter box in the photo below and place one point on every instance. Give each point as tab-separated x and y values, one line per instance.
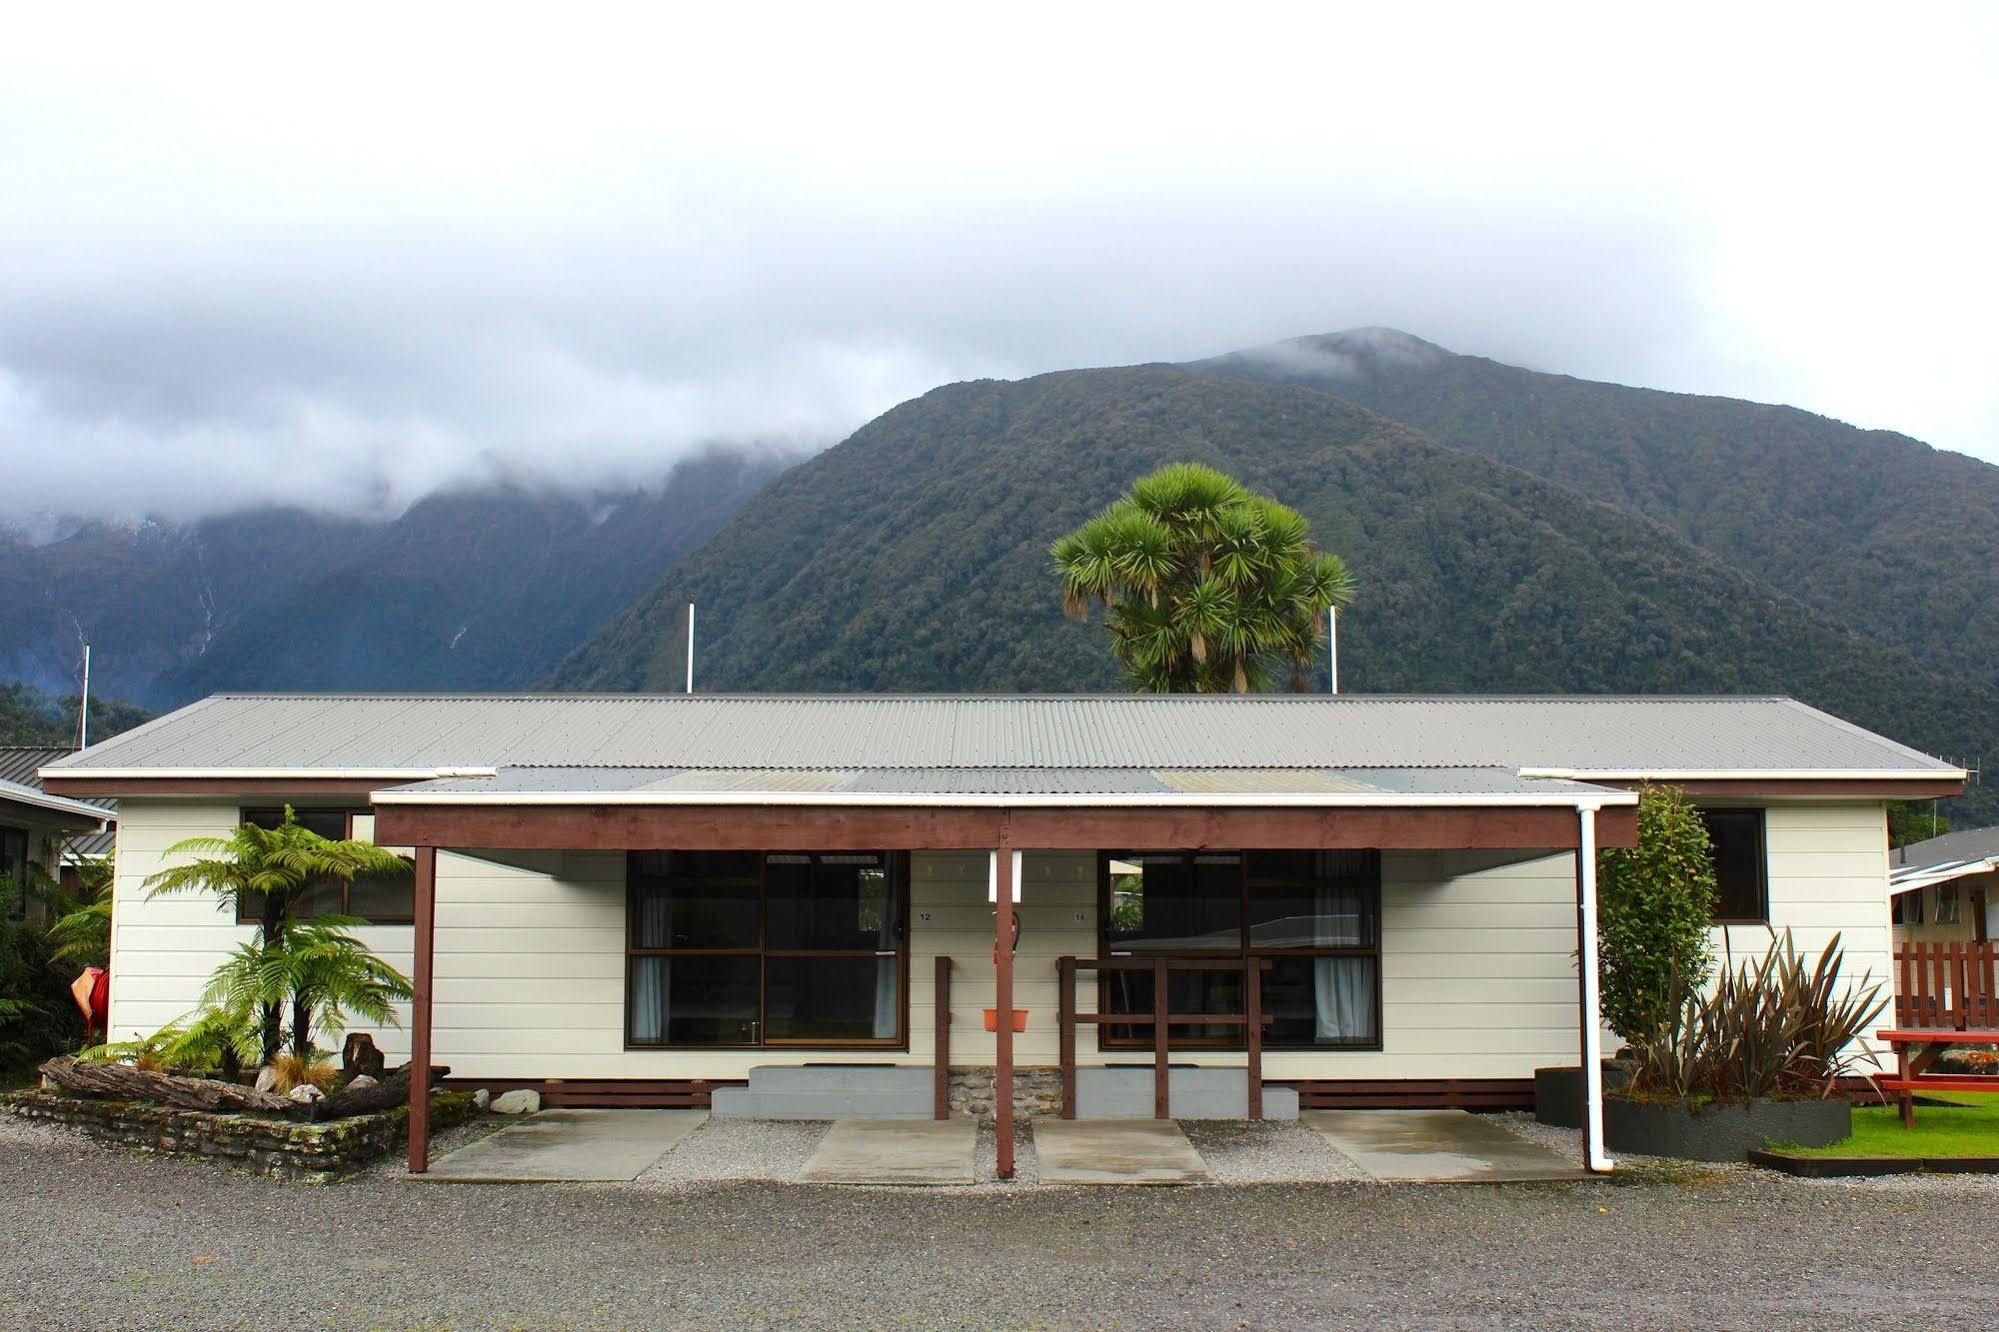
1721	1132
1558	1092
267	1145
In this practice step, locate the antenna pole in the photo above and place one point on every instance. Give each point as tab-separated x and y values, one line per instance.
690	647
83	704
1333	644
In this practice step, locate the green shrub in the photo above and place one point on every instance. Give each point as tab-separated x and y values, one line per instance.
1655	903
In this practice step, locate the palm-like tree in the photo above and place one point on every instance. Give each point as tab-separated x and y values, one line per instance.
80	934
318	970
1208	587
270	870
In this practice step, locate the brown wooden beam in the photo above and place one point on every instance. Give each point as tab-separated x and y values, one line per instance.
841	828
1003	1011
420	987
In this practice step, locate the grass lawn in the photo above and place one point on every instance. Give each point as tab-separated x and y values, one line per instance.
1968	1126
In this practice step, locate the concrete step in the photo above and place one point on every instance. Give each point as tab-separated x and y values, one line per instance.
909	1078
743	1103
1195	1093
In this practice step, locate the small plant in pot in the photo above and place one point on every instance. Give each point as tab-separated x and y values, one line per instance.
1755	1058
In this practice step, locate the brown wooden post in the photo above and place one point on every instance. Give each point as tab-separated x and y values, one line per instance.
1003	1008
941	1006
1065	1003
1161	1094
420	985
1252	982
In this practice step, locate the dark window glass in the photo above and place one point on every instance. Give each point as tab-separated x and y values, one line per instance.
379	899
14	869
832	998
1741	881
1175	903
693	899
1907	908
808	948
694	999
1314	915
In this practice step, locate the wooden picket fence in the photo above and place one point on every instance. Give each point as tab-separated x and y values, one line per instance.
1947	986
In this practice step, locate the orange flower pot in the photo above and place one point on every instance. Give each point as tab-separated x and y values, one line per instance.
1019	1019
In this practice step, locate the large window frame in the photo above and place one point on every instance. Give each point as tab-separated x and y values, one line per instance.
1749	822
250	907
1108	1035
896	863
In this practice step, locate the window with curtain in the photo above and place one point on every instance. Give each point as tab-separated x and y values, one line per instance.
1314	915
379	899
766	949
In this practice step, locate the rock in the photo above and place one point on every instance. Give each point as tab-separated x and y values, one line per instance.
305	1094
520	1101
361	1082
359	1055
267	1079
481	1099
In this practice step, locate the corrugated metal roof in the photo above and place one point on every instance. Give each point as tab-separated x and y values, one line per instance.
756	783
1964	846
416	734
22	764
33	797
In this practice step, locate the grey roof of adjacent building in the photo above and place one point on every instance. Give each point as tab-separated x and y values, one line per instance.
1162	785
1942	859
22	765
416	736
37	800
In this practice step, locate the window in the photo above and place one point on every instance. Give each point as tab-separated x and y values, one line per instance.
1947	904
765	949
14	870
1907	908
1741	874
1314	914
379	899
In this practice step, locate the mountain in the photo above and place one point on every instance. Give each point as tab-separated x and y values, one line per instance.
913	556
484	589
1877	531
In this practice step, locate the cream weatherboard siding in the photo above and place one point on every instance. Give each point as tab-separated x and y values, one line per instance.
1478	972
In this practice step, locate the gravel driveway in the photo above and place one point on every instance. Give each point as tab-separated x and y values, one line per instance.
93	1238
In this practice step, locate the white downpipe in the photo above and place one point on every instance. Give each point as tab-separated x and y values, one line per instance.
992	877
1598	1158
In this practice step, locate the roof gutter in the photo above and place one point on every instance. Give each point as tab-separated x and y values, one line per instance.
1750	774
1035	800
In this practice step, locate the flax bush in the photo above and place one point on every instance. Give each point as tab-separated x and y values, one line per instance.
1776	1027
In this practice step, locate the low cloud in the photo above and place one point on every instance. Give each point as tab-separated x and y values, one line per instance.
247	265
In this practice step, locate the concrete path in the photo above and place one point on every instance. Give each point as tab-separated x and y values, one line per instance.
895	1151
1436	1146
569	1145
1116	1151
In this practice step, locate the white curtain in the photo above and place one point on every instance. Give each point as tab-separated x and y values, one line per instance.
652	981
651	976
1343	987
887	978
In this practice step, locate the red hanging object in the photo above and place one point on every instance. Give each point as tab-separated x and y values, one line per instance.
92	992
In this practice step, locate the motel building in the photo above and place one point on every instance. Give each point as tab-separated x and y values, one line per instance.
812	907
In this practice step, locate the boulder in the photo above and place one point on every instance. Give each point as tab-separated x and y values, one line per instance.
305	1094
481	1099
520	1101
361	1082
267	1079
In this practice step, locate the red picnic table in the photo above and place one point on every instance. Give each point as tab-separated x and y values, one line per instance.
1916	1049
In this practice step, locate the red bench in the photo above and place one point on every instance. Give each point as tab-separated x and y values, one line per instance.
1916	1049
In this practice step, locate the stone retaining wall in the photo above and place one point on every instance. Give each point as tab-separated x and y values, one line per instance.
1036	1091
280	1148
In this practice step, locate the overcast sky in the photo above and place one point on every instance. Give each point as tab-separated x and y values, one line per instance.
343	256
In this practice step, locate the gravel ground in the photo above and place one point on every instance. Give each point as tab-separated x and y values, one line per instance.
1273	1152
101	1239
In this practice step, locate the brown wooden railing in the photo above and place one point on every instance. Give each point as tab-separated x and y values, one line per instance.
1947	986
943	1011
1161	1021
